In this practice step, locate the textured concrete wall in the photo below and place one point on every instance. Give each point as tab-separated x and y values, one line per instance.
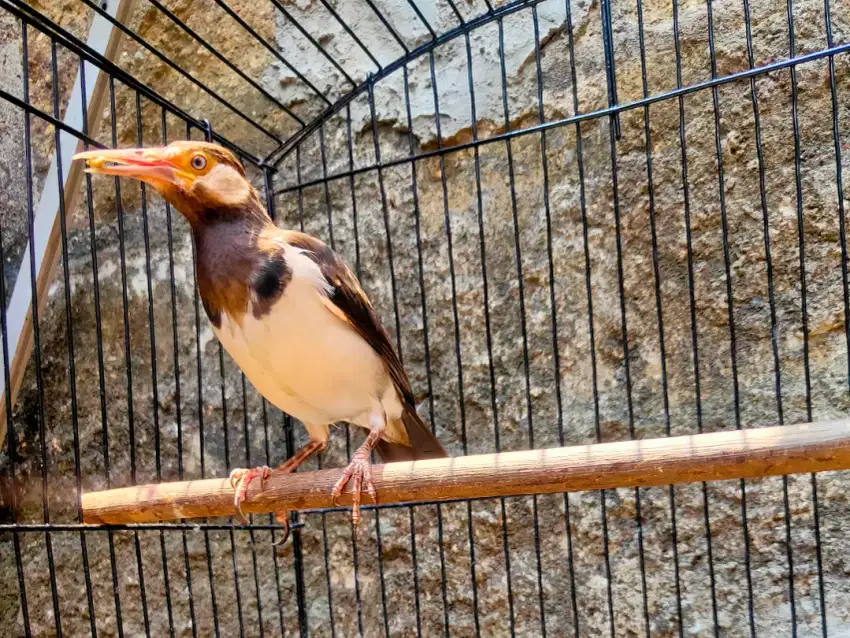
496	389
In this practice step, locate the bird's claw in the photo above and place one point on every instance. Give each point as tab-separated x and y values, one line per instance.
359	470
283	519
240	479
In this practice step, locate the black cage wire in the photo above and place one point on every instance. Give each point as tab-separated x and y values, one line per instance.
580	221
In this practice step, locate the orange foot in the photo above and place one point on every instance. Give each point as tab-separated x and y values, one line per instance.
360	470
240	479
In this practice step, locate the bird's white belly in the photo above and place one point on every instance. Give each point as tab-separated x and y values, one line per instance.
305	360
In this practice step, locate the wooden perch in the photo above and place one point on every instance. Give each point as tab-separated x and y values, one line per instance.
791	449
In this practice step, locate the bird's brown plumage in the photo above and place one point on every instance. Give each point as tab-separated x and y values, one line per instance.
241	265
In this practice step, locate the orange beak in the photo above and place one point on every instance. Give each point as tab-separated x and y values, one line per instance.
152	165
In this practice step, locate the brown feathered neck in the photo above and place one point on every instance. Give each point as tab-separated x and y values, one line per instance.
240	265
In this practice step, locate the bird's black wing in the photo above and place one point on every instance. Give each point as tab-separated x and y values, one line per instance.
348	301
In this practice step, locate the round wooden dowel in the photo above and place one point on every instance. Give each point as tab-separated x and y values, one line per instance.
791	449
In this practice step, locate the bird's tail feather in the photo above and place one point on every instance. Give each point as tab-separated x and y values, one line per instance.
423	443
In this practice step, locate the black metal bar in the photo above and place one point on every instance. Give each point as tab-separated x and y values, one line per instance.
388	26
98	322
268	181
839	185
457	12
128	361
730	303
659	311
249	464
679	92
590	323
11	445
692	307
279	6
228	466
480	209
247	440
49	119
416	217
415	6
798	188
553	309
208	134
613	136
610	63
839	181
774	328
351	33
297	550
394	294
178	416
456	324
69	329
522	311
329	211
154	375
354	551
39	378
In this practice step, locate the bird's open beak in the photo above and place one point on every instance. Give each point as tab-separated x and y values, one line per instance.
151	165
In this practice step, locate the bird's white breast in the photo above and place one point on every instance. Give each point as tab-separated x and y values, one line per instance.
303	358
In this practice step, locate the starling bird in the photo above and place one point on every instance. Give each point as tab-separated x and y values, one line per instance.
287	310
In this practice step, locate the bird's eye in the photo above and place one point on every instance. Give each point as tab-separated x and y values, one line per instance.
199	162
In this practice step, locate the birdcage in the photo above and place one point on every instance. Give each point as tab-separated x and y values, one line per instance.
580	222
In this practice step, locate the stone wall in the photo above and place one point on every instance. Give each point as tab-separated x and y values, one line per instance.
492	205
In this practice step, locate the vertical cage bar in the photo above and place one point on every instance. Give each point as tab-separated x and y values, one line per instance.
11	449
553	310
329	212
456	325
101	375
798	191
268	183
201	433
172	289
590	322
154	375
354	552
297	550
659	312
730	302
69	329
34	310
692	307
522	309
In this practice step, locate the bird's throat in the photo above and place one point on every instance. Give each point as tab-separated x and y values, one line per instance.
238	269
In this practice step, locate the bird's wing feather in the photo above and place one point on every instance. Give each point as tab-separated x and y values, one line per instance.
349	303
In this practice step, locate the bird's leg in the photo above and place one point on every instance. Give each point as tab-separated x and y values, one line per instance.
240	479
360	467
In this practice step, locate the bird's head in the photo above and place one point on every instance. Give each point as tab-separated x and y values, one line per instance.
203	181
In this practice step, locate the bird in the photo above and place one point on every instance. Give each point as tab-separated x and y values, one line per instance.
288	310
